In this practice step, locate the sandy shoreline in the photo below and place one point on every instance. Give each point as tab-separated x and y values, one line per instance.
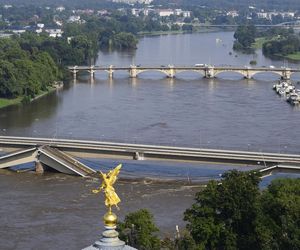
56	211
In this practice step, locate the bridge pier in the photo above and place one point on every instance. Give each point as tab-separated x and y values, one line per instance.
92	72
209	72
74	73
39	168
111	71
286	74
171	72
247	75
138	156
133	71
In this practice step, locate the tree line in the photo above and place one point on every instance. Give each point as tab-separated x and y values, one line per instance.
279	41
24	72
244	37
232	214
31	62
282	45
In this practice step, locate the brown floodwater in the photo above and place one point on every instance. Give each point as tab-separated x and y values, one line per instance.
56	211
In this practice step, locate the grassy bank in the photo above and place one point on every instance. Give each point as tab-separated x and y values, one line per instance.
170	32
4	102
294	56
259	42
157	33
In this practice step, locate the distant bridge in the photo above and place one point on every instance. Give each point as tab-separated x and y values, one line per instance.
170	71
59	154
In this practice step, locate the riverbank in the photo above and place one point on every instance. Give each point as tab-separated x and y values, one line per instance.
174	32
5	102
295	57
55	211
259	42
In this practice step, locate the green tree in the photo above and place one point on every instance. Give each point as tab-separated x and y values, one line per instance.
225	214
280	204
187	27
175	27
245	36
27	77
8	84
124	40
138	230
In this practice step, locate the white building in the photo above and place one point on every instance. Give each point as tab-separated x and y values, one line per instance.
60	8
288	14
165	12
269	15
74	19
7	6
102	12
40	25
54	32
135	12
232	13
179	12
58	23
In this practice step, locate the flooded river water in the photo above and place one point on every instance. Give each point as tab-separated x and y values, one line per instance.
56	211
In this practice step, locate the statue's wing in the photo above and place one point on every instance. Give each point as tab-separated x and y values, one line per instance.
113	174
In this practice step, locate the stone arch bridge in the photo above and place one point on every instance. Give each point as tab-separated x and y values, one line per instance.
170	71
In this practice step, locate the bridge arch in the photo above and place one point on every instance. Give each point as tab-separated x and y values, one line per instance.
275	73
141	71
179	72
236	72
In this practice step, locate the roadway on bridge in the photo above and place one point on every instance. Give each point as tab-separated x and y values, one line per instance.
60	154
150	152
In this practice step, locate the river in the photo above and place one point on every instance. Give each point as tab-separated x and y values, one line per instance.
227	112
56	211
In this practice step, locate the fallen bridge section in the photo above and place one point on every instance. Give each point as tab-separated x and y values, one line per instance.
62	162
18	157
268	171
111	150
45	156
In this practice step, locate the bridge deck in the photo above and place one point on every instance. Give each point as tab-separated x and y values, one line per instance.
151	152
62	162
18	157
51	157
49	152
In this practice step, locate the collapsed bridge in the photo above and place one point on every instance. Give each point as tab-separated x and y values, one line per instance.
60	154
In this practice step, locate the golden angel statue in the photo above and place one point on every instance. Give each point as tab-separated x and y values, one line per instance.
108	180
